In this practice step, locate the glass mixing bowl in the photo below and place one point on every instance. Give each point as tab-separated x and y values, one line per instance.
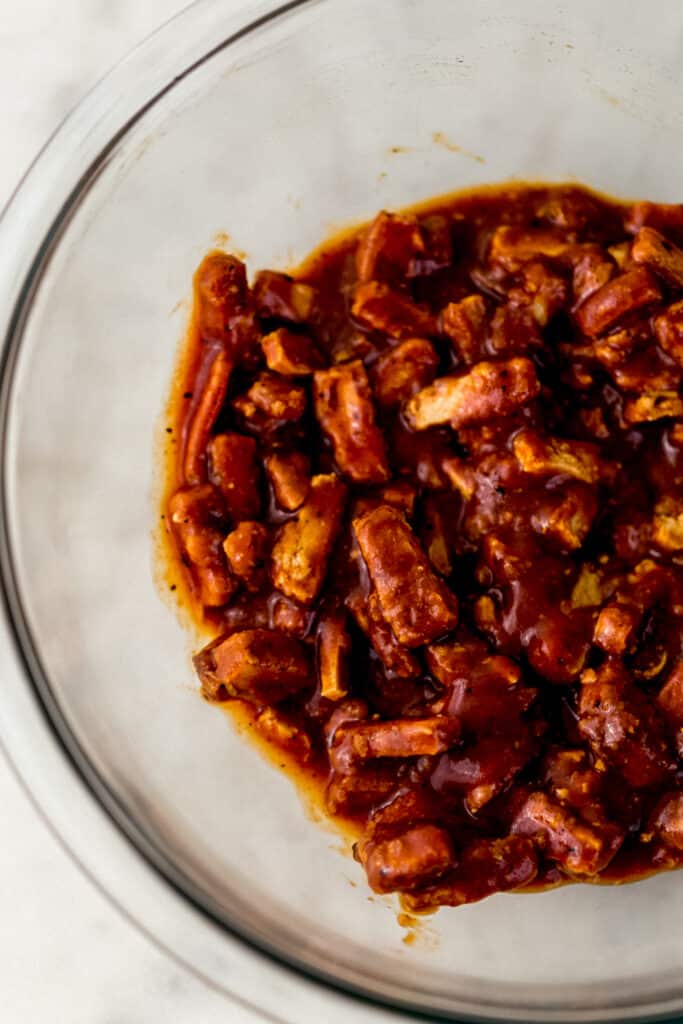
276	124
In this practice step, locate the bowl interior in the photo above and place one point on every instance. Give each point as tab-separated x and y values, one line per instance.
312	120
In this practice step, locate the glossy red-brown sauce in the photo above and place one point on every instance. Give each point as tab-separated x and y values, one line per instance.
543	653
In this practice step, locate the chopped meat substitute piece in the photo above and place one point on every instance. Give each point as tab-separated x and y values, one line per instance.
573	782
579	848
334	648
274	397
276	729
512	247
486	866
488	390
411	859
415	602
662	216
246	550
614	350
667	525
292	355
486	694
514	330
196	514
350	794
541	293
656	406
280	296
259	665
437	234
464	324
397	660
304	543
550	456
485	769
623	727
378	307
289	476
670	702
667	821
402	371
233	469
592	270
668	327
401	737
616	627
435	535
210	404
661	255
388	247
224	305
289	617
628	293
344	409
565	517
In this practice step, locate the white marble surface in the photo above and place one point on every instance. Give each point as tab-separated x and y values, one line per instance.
66	956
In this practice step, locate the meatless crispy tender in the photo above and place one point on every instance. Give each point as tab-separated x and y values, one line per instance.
628	293
550	456
414	601
661	255
289	475
668	328
234	471
592	270
512	247
658	405
206	414
396	658
670	702
196	514
303	547
345	411
566	516
616	627
378	307
246	550
274	397
411	859
293	355
388	247
667	820
280	296
580	848
622	727
409	737
486	866
334	648
426	492
224	304
662	216
259	665
464	323
403	370
488	390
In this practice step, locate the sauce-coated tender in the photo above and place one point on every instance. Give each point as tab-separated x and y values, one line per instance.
428	497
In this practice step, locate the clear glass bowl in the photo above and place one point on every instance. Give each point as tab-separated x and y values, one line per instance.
275	125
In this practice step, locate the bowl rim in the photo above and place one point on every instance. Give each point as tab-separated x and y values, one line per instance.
31	226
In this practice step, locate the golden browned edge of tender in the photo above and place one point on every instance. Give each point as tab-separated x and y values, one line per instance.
170	575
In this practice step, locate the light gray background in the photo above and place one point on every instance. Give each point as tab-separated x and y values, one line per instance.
66	957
